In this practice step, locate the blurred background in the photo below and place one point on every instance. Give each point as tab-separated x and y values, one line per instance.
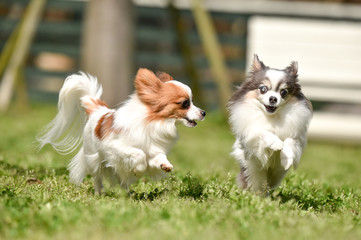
207	44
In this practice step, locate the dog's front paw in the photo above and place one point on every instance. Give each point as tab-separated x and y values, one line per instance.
287	157
161	162
139	163
276	144
140	169
286	163
166	167
273	142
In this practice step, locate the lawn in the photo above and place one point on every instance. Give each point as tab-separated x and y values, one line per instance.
199	200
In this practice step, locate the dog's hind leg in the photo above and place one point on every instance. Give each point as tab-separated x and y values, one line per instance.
275	176
275	173
98	184
238	153
78	167
242	179
95	168
257	177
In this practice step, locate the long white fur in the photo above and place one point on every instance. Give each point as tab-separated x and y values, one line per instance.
259	136
65	132
139	148
267	145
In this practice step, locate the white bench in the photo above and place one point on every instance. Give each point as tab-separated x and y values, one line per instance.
329	58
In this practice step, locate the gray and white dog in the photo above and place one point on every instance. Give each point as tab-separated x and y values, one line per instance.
269	116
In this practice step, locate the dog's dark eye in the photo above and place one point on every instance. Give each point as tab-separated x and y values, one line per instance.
263	89
185	104
284	93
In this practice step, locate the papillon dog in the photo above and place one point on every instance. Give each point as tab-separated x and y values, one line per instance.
269	116
120	144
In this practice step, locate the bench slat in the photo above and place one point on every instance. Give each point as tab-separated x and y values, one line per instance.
335	127
325	94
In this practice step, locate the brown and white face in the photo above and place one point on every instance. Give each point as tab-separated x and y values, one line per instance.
167	98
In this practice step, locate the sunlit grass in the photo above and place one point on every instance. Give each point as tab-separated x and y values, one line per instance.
199	200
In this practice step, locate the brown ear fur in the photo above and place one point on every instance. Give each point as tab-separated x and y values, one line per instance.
164	77
147	84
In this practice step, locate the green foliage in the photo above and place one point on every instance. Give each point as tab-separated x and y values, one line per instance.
309	196
150	196
192	187
199	200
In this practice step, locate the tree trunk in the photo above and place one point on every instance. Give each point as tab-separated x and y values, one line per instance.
108	47
13	64
213	51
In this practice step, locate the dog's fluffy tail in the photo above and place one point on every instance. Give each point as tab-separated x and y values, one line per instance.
65	131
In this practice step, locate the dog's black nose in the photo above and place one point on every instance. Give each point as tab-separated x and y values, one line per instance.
203	113
272	99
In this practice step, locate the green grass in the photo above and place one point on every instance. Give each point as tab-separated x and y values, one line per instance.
199	200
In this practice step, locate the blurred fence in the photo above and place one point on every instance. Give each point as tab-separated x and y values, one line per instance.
329	57
55	52
243	27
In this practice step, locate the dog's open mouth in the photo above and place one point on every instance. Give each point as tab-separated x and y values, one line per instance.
191	122
270	109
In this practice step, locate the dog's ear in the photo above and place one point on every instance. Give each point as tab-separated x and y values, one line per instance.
292	69
164	77
257	64
147	83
